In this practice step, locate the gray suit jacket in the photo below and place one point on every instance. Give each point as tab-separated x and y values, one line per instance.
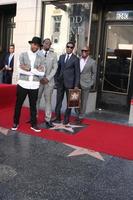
39	62
88	75
24	60
50	63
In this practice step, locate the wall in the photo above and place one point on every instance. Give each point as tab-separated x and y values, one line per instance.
4	2
50	12
28	24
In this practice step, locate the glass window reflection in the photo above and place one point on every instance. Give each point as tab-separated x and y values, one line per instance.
118	58
67	21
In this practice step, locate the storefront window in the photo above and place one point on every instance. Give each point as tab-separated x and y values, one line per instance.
65	22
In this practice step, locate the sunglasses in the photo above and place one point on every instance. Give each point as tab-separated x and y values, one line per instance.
69	47
84	50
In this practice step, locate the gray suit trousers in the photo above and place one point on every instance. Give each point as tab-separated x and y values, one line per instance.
84	99
47	91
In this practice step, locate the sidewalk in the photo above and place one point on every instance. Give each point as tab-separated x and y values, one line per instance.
33	168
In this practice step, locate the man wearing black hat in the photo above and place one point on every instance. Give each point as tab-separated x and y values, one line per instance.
31	70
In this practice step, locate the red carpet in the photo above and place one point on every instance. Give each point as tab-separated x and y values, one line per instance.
7	95
100	136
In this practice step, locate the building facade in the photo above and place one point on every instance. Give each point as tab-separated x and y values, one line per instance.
105	25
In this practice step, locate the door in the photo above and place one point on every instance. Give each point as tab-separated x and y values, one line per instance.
7	25
114	92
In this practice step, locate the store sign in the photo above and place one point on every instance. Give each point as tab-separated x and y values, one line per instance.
122	15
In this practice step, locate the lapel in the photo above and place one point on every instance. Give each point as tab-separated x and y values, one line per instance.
63	59
11	61
69	61
87	65
49	58
7	58
27	59
37	60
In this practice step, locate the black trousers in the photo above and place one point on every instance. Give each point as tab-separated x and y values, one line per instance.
61	89
21	95
7	77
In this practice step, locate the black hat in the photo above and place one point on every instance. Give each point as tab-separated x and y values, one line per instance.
36	40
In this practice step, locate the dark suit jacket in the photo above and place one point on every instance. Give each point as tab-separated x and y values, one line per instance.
68	73
7	74
2	59
11	63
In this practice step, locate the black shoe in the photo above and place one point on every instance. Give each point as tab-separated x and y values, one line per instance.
56	120
49	124
65	122
78	120
15	127
35	128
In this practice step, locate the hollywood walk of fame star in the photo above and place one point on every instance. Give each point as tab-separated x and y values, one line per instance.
83	151
4	130
68	127
74	96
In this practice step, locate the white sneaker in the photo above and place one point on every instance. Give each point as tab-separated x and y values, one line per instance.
15	127
35	128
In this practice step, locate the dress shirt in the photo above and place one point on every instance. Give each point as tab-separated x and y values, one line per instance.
45	53
67	56
10	58
30	84
83	63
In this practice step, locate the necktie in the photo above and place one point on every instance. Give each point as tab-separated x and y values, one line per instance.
67	58
45	54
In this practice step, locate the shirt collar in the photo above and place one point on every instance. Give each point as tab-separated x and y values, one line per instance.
69	54
44	51
85	59
11	54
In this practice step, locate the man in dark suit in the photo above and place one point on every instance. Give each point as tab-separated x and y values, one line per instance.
67	77
2	58
9	63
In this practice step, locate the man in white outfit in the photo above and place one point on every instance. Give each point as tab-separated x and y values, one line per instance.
31	70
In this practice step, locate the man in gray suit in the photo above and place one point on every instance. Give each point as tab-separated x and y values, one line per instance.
47	83
88	70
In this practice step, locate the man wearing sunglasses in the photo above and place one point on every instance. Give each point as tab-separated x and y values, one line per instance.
67	77
88	70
